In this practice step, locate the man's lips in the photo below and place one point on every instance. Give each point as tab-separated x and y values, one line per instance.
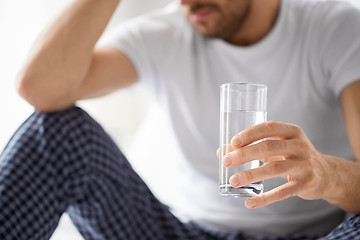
200	15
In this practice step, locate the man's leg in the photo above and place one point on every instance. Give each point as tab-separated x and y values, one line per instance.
349	229
65	161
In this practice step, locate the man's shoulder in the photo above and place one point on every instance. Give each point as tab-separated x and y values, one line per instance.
338	17
325	17
328	10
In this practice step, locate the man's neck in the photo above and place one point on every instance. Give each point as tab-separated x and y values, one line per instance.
261	20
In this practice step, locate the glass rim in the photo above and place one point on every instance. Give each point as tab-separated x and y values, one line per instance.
259	85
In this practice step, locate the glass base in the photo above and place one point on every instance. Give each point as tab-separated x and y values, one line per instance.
246	191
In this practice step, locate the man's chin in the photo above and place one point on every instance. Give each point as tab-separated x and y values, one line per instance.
206	28
205	31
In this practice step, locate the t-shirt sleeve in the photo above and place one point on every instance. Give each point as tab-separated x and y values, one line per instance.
340	46
131	39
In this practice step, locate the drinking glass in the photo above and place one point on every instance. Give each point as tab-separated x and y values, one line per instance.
242	105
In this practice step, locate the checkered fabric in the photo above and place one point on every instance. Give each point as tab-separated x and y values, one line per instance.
64	161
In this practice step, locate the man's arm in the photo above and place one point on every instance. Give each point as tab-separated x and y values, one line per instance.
64	66
310	173
347	192
350	103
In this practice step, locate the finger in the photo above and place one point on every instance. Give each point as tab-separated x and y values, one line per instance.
277	130
285	191
224	149
264	150
270	170
272	159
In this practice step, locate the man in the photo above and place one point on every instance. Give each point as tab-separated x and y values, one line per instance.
305	51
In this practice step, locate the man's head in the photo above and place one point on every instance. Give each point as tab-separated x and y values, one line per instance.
217	18
240	22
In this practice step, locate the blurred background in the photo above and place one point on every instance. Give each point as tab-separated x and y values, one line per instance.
20	23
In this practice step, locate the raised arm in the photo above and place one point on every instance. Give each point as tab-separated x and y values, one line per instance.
64	65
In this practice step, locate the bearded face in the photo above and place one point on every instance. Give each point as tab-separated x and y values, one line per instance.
217	18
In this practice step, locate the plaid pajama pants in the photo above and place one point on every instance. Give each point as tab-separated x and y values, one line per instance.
64	161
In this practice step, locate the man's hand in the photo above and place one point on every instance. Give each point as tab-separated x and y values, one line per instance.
289	155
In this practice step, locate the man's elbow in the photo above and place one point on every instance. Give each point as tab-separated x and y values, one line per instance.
25	88
41	99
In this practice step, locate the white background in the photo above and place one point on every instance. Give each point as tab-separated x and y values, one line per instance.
20	23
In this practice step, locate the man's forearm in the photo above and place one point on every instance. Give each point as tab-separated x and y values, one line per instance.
344	182
61	57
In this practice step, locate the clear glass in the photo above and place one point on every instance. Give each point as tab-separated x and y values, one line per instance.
242	105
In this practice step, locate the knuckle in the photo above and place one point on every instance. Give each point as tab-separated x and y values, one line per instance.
300	142
303	147
281	194
274	168
295	129
264	199
243	135
248	176
270	125
240	155
268	146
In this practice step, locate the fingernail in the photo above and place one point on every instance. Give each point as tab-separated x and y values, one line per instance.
227	160
235	180
236	141
250	203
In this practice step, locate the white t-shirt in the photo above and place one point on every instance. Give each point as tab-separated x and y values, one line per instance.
310	55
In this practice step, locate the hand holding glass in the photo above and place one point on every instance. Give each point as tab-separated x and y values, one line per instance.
242	105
